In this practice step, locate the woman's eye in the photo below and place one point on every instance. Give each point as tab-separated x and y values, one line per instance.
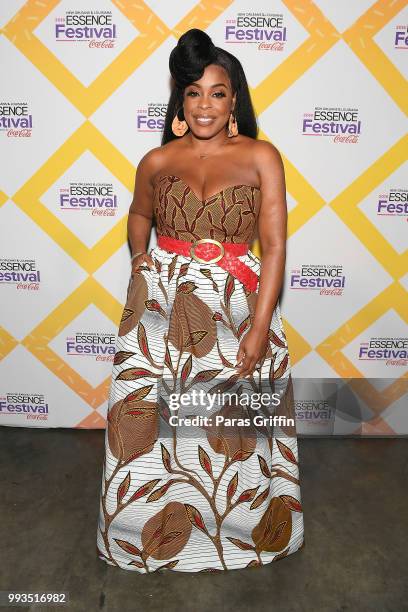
219	94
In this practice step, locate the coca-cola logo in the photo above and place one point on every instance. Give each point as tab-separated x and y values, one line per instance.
101	44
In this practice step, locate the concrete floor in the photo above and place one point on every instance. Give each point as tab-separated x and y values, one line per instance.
355	500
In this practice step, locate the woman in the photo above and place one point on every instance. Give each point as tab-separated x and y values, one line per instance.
221	492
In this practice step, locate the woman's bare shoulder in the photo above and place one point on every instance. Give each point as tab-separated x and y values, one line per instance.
155	159
270	167
266	152
150	159
257	146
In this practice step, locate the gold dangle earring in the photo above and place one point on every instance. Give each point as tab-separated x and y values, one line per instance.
179	128
232	126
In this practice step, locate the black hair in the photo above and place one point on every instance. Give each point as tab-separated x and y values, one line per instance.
187	62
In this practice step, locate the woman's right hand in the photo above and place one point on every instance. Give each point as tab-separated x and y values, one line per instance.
140	259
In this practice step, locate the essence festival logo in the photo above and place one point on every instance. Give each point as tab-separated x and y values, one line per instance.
327	279
97	198
266	30
100	346
394	351
401	37
393	204
30	406
314	411
151	118
22	273
341	124
15	119
93	27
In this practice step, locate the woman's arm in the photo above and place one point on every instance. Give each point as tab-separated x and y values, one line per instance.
141	209
272	228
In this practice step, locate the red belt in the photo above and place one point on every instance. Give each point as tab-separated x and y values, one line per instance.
208	250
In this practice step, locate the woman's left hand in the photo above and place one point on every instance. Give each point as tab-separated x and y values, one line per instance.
251	352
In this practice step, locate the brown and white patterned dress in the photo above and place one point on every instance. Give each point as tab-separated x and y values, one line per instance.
210	497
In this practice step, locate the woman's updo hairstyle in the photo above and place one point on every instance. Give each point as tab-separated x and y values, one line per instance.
187	62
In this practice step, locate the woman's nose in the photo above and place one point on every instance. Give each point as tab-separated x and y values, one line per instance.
204	102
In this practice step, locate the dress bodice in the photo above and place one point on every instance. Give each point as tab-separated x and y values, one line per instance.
228	216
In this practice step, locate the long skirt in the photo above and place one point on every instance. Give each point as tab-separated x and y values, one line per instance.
201	466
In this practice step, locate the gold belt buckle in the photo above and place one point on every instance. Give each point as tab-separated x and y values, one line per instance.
199	259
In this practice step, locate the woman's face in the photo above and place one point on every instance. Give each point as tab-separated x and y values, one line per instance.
208	102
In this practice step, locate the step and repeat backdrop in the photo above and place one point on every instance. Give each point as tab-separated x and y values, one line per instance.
83	97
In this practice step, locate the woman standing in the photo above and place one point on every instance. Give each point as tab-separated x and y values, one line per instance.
213	485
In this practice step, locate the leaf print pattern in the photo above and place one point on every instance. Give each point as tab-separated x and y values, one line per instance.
218	497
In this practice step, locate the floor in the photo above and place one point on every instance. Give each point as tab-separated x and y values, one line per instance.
355	558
